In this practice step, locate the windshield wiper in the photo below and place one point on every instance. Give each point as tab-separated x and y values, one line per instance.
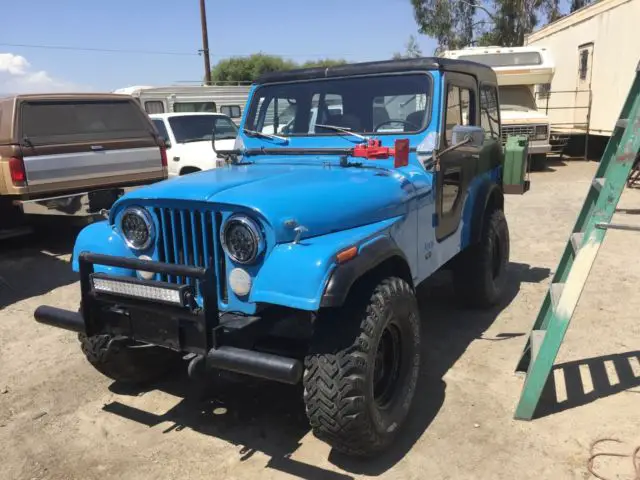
266	135
342	129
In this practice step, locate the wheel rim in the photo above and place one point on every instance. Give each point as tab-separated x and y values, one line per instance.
387	366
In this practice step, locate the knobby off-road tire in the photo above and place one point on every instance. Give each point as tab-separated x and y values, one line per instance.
480	273
131	364
349	367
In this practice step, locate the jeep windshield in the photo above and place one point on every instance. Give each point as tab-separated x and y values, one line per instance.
382	104
198	128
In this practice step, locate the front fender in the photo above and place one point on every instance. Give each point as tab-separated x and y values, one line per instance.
99	237
297	275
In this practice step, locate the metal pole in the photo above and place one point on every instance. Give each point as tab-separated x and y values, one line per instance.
205	43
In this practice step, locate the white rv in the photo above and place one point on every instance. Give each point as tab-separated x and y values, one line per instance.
226	99
596	52
519	71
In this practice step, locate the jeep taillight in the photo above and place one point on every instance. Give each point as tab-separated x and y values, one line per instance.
18	174
163	155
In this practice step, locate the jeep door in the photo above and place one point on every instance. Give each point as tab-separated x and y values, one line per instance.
459	166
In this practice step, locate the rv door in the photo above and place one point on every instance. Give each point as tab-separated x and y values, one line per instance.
583	86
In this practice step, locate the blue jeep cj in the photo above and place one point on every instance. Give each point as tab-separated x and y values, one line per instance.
299	260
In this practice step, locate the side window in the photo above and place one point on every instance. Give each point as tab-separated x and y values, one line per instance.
489	112
154	106
232	111
184	107
161	128
459	109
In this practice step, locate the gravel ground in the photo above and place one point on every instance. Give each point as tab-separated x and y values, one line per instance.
60	419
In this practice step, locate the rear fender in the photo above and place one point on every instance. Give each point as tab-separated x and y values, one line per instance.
484	192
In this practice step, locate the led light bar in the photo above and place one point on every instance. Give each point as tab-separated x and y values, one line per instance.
132	288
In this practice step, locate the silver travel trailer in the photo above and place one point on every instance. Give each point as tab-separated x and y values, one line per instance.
226	99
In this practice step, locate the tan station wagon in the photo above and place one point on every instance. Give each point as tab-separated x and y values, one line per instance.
73	154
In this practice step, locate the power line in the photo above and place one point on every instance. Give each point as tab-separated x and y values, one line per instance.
89	49
152	52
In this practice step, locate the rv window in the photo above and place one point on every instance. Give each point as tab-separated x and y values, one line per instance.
154	106
489	119
182	107
232	111
507	59
584	64
517	98
75	121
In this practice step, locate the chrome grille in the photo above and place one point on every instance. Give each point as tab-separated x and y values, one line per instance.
190	237
528	131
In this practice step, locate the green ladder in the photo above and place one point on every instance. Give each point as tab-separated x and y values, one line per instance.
579	255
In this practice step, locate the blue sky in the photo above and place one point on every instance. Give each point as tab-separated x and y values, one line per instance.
356	30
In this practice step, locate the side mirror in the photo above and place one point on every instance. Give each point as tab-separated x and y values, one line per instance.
469	135
222	153
167	143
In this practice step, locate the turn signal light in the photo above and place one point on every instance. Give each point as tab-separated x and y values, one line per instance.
401	149
346	255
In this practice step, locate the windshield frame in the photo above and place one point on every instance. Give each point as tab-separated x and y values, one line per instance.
178	118
252	113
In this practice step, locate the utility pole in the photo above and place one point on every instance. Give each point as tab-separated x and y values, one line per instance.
205	43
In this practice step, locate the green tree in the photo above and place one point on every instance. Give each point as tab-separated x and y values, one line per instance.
248	69
323	63
577	4
411	49
459	23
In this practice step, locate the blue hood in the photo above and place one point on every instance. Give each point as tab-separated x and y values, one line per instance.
323	199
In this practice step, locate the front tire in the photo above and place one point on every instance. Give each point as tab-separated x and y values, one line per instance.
538	162
127	363
361	375
480	272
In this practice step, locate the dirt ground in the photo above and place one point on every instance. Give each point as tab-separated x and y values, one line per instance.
60	419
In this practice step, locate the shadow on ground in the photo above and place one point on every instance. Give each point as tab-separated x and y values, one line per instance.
270	418
29	265
577	375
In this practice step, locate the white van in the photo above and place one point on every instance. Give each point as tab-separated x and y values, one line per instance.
519	71
188	140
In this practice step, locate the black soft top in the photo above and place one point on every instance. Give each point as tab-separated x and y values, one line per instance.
482	72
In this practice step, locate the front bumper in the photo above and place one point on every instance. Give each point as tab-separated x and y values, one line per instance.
536	148
177	323
83	204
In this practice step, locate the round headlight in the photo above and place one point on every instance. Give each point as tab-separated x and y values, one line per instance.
137	227
242	239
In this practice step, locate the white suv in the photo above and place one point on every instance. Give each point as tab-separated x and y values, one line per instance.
188	139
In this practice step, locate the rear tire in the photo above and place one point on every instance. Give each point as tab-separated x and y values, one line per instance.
361	374
127	363
538	162
479	275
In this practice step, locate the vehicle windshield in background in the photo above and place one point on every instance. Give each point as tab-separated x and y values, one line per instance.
377	104
74	121
198	128
517	97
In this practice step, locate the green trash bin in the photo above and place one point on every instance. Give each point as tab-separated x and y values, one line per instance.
514	177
